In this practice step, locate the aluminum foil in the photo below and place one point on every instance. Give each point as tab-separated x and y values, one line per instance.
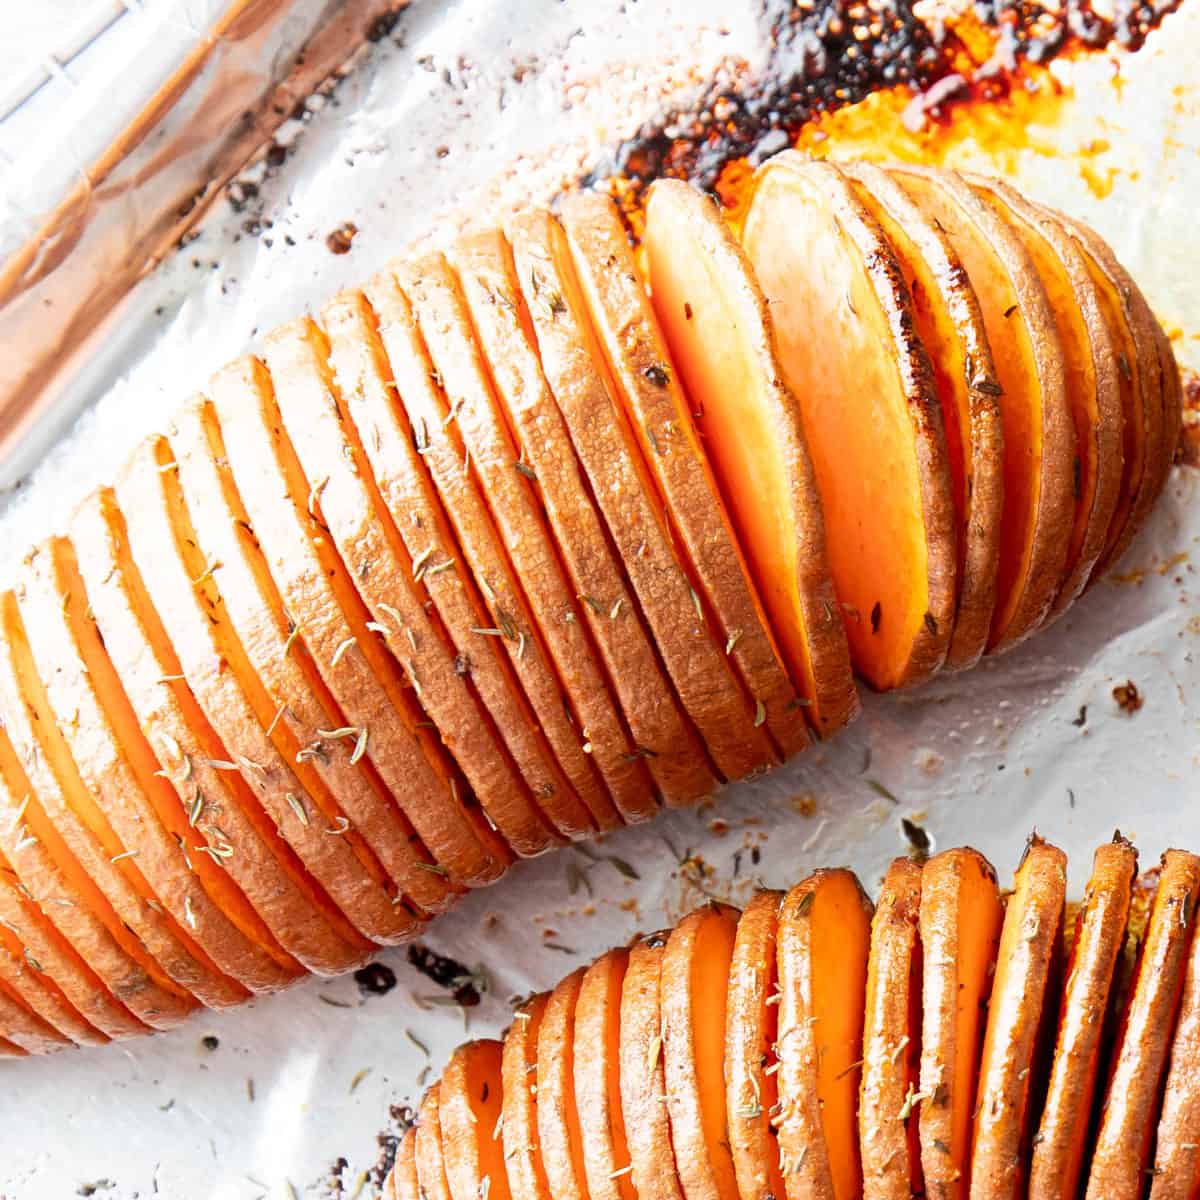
465	108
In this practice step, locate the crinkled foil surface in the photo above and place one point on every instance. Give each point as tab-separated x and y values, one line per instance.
467	107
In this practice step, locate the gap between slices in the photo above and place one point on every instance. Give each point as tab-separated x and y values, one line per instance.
419	770
870	412
163	545
266	870
361	688
1058	1149
887	1123
431	487
551	496
695	979
961	916
823	945
660	654
519	1103
1039	437
720	334
469	1114
950	325
1091	376
651	411
751	1065
1021	1013
1122	1144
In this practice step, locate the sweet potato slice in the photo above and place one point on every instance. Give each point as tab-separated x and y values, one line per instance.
1020	1014
721	337
519	1106
18	1024
544	609
427	1150
363	692
695	983
527	424
392	378
660	654
1172	388
559	1138
1058	1150
1039	436
598	1079
961	916
751	1011
1122	1145
889	1145
265	870
950	325
643	1079
118	769
418	771
651	410
469	1111
823	947
881	463
163	546
1092	370
402	1183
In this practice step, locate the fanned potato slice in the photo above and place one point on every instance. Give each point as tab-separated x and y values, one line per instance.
850	353
572	362
643	1078
695	983
888	1143
20	1025
1058	1148
1039	436
751	1024
361	688
163	545
1172	389
598	1079
542	606
413	469
469	1113
551	485
402	1181
83	842
1122	1145
1091	371
265	869
431	1162
519	1103
10	1049
651	410
558	1122
1020	1015
823	947
950	325
961	916
721	337
118	769
417	770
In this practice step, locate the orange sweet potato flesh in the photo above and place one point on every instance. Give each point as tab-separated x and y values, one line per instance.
469	1098
950	324
1021	1009
890	1149
871	415
695	975
822	952
961	915
597	1055
1059	1146
519	1106
751	1066
720	335
1122	1145
20	1025
558	1124
402	1183
1039	436
431	1161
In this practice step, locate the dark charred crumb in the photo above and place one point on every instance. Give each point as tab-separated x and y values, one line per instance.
446	973
1128	698
95	1187
342	238
210	1042
876	616
1071	797
382	26
755	855
375	979
919	842
1081	720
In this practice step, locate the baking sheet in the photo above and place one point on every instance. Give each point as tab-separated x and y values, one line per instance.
465	107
